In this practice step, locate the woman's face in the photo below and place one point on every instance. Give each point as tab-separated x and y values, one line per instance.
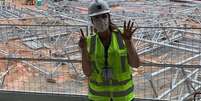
101	22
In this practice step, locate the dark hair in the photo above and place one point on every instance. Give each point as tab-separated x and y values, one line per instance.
112	26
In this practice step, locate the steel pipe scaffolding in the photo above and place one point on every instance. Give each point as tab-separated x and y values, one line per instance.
43	44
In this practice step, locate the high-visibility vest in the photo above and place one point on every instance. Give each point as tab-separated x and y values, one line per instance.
120	87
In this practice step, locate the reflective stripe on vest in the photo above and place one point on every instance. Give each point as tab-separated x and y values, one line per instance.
121	46
92	50
114	82
115	94
123	63
119	39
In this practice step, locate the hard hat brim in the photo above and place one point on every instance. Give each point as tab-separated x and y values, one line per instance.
99	13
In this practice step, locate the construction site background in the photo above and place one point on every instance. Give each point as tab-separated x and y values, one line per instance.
39	50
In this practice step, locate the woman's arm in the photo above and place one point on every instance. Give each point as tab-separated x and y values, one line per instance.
133	58
86	64
127	34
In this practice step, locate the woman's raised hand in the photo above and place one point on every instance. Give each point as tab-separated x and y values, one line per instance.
128	30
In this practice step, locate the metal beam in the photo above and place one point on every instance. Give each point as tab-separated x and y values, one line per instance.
168	68
177	84
167	45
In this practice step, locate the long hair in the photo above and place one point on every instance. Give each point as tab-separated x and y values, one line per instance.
112	26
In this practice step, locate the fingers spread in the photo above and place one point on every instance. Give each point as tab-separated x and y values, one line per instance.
82	34
131	26
128	26
134	30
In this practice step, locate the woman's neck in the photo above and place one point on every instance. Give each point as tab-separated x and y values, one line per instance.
104	35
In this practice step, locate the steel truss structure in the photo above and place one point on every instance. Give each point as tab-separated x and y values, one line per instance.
44	42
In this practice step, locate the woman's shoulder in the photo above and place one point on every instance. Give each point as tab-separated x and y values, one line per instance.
118	30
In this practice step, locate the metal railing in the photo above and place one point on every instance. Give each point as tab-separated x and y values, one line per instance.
46	58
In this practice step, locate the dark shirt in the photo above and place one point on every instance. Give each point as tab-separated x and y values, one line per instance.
106	47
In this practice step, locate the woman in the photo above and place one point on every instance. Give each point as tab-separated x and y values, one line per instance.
107	57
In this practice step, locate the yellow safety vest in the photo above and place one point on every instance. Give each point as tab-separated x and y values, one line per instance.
120	87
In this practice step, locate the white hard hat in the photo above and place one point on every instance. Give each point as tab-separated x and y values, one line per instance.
98	7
